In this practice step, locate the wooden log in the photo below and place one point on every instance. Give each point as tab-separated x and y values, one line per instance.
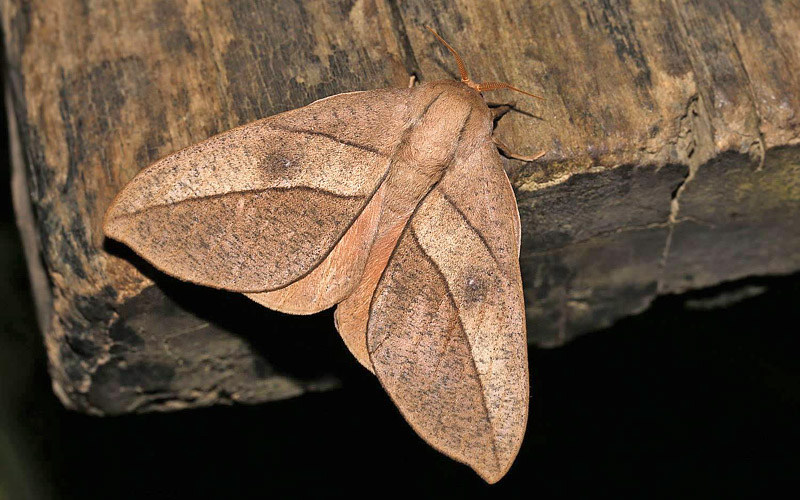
672	133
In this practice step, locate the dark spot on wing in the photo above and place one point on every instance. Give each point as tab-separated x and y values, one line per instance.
476	288
280	166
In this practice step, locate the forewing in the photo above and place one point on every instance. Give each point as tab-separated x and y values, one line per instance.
260	206
446	332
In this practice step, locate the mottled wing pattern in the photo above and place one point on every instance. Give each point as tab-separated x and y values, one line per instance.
260	206
446	332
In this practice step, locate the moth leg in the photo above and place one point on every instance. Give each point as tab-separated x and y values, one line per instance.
508	153
412	80
498	111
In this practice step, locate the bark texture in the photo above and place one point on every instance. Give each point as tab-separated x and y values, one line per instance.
672	131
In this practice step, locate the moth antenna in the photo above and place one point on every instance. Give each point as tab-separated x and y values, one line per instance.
480	87
487	86
461	68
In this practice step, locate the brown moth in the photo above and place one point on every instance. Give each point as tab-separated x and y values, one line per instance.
392	205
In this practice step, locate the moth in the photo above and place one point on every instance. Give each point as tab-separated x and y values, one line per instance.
393	206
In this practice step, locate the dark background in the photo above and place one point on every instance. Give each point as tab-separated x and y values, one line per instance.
680	400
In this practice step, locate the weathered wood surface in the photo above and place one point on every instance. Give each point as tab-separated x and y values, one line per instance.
672	131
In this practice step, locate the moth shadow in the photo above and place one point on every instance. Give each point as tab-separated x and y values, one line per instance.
306	348
515	108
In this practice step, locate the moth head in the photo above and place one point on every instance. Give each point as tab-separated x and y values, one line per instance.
479	87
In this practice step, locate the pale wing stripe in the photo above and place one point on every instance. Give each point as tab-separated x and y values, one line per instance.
215	196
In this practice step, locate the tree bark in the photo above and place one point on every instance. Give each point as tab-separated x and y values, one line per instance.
671	131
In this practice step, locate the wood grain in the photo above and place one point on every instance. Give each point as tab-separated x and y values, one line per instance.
671	130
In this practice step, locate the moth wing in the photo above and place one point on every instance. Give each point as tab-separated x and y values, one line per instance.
335	278
446	332
259	207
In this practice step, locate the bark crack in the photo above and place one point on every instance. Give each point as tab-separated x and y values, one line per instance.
399	25
761	149
694	148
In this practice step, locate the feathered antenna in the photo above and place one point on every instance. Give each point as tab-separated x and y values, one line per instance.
480	87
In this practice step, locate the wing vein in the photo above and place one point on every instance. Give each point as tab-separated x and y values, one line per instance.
466	337
341	235
472	227
332	137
